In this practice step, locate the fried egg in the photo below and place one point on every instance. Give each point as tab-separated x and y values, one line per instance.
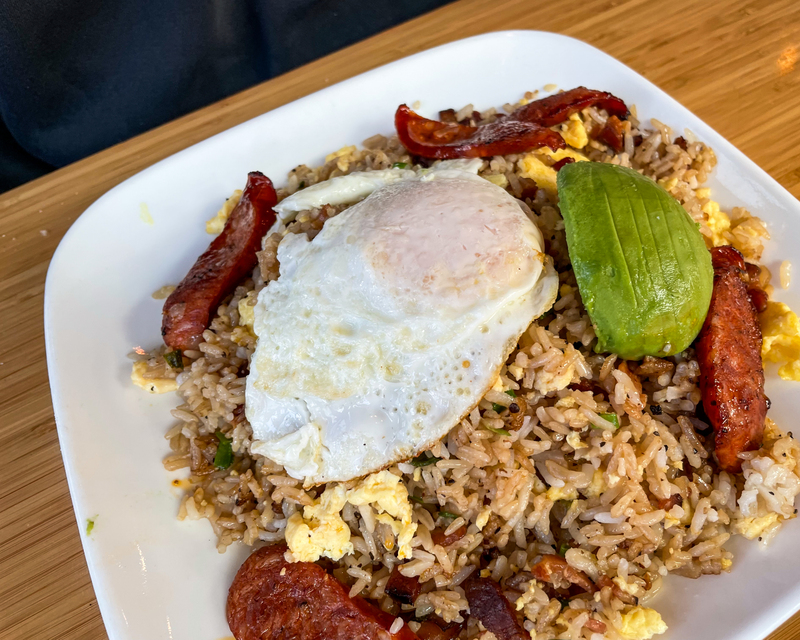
384	331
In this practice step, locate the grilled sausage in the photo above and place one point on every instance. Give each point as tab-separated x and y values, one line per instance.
731	370
492	608
272	599
229	258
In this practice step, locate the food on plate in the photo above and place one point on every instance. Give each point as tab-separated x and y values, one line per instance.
492	608
577	466
272	599
385	330
643	270
231	256
731	370
523	129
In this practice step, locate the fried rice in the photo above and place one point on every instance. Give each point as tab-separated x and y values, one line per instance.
631	503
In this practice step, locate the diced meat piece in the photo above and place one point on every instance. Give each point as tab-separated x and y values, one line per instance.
215	274
595	626
529	188
401	588
557	108
272	599
613	134
557	571
441	140
492	608
681	142
564	161
667	504
653	366
619	594
443	540
731	370
758	296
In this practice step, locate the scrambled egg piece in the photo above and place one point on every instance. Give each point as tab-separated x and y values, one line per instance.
751	528
217	223
320	531
574	133
483	517
781	331
718	222
151	385
532	166
596	486
641	623
726	563
246	310
560	154
543	175
499	179
562	493
516	371
574	441
342	157
386	491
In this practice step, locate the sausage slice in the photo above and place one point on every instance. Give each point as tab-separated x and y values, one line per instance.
731	370
229	258
272	599
492	608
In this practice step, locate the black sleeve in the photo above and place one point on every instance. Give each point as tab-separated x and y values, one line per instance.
77	76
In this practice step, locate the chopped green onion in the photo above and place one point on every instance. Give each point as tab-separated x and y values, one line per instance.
499	432
511	392
448	515
498	408
89	526
611	417
400	165
562	550
224	456
174	359
416	499
422	461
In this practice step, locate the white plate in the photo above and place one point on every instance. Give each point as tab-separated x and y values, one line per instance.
155	577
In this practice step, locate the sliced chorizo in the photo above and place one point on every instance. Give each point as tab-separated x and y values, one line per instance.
230	257
492	608
731	370
272	599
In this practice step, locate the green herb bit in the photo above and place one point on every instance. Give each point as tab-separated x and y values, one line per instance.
499	432
89	526
511	392
498	408
562	550
400	165
423	461
449	515
224	456
416	499
174	359
611	417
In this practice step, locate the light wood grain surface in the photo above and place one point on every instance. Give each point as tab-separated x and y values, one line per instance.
732	62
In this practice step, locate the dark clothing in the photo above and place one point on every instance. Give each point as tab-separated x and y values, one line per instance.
77	76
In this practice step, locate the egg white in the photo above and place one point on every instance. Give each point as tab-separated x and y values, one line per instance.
388	327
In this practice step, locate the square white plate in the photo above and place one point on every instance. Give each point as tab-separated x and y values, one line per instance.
155	577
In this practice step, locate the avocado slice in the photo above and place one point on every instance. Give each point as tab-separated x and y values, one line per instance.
642	266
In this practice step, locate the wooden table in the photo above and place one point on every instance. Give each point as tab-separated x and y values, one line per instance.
731	62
